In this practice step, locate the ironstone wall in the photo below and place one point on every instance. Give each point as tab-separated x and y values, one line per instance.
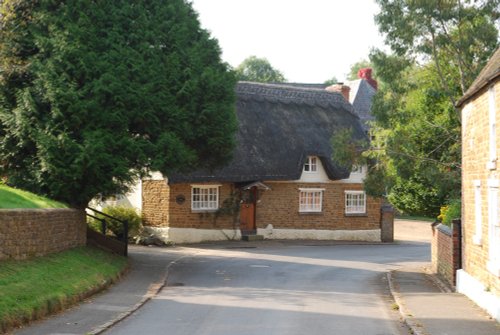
36	232
446	251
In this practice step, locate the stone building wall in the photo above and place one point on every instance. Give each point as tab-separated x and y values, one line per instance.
167	208
155	203
475	156
181	215
280	208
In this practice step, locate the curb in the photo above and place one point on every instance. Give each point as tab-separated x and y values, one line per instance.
153	290
442	285
414	326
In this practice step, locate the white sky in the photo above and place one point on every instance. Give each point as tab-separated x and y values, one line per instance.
309	41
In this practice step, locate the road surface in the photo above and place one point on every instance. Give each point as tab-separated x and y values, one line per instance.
282	288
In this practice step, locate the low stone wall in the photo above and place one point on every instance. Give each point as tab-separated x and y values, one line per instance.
387	223
36	232
446	251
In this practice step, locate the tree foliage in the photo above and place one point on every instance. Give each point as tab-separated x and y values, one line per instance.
438	50
333	80
458	36
122	213
95	94
417	140
260	70
347	150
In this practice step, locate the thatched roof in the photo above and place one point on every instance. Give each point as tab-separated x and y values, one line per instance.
279	126
304	85
489	74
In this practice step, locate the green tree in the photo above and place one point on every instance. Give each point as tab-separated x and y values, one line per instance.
259	70
96	94
456	35
333	80
438	49
417	141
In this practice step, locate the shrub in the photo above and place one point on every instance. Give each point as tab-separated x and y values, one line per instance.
121	213
451	211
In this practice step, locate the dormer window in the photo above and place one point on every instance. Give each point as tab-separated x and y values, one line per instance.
357	169
311	164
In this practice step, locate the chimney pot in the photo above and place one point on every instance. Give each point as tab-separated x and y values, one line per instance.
340	88
366	73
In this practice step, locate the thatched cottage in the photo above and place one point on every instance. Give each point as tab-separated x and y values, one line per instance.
281	182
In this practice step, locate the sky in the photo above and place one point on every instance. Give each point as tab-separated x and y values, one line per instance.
308	41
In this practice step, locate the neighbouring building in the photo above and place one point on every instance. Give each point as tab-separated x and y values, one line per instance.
361	95
358	92
479	278
281	182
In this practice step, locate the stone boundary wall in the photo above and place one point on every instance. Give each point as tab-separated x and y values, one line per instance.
387	223
36	232
446	251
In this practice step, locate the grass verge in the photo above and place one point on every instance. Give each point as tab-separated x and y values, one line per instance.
14	198
31	289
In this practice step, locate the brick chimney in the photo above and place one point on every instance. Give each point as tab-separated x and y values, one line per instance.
366	73
341	88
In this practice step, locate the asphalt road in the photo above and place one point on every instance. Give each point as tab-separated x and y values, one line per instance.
281	288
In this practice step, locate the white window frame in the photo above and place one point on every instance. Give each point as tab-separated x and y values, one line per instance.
355	209
491	165
493	264
206	201
357	169
310	195
477	239
311	164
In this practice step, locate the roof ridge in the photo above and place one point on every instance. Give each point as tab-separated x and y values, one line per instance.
291	86
488	73
292	94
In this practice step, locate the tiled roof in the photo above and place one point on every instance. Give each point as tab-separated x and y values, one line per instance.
361	96
489	74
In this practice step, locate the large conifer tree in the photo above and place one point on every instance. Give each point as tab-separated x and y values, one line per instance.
97	93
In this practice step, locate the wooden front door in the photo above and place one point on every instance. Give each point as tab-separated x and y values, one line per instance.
247	211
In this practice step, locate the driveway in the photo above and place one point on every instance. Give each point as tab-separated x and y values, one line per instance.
282	288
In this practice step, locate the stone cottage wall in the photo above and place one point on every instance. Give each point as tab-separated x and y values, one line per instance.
181	215
155	203
167	211
170	206
280	208
36	232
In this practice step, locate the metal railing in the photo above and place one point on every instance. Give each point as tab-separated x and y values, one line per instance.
103	218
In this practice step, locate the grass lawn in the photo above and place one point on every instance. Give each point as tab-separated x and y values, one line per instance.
30	289
14	198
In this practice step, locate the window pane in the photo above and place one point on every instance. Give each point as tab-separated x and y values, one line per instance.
204	198
310	201
355	202
313	164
